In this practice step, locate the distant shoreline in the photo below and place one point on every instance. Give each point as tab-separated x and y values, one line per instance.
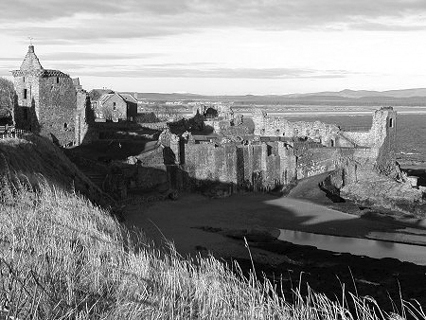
337	113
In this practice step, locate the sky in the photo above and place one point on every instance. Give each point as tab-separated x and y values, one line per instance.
220	47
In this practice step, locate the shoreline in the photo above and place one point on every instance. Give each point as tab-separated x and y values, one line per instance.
198	225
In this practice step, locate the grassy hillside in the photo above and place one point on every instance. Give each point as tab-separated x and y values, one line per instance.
61	257
37	158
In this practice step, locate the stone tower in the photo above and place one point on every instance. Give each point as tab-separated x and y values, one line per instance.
47	100
383	138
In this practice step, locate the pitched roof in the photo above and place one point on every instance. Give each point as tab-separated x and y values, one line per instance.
128	98
96	94
31	61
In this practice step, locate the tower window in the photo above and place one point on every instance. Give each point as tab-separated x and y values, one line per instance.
57	79
25	93
391	123
23	79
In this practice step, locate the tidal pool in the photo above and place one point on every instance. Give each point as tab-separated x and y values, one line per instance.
356	246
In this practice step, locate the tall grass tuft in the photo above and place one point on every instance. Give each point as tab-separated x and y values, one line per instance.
61	257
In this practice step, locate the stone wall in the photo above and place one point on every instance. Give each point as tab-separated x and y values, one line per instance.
228	129
154	125
316	161
249	167
47	100
384	135
279	126
58	106
210	162
84	118
27	110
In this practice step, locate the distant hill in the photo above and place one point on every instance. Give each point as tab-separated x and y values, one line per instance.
406	97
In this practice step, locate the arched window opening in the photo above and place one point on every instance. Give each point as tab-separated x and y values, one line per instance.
391	123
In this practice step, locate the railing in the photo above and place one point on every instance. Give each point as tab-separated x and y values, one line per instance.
10	132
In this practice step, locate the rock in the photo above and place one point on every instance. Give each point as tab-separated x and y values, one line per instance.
173	195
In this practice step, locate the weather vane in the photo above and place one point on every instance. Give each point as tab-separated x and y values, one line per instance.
31	40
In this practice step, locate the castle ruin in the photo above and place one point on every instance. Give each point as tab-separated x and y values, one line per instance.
278	154
47	100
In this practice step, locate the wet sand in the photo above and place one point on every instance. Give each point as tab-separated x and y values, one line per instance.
189	220
203	226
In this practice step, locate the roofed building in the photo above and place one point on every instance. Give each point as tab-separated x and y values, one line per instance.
112	106
47	100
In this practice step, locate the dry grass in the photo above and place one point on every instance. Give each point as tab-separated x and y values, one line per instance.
61	257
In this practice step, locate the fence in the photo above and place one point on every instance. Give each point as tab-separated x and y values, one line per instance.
10	132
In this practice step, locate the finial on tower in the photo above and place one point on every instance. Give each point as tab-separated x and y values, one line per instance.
31	47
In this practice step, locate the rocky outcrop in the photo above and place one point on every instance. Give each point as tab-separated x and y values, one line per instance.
380	192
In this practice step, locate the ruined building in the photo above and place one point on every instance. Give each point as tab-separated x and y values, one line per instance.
47	100
281	151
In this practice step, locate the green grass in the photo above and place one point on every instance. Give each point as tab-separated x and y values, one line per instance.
61	257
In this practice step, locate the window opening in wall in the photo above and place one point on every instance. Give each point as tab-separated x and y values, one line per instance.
57	79
25	93
65	125
23	79
391	123
332	142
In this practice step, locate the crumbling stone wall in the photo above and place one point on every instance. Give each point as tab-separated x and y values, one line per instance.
384	133
316	161
266	125
376	148
84	118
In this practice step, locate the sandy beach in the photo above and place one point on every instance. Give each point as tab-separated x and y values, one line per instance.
195	222
198	225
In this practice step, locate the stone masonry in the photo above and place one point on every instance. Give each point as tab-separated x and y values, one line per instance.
299	150
47	100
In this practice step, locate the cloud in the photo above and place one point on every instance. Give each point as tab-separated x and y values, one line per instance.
221	73
97	19
77	56
267	11
85	56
